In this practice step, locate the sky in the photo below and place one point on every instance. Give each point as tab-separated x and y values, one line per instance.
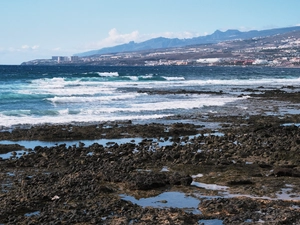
40	29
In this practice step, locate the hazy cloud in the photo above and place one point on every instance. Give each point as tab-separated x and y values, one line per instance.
115	38
27	47
243	28
180	35
56	49
35	47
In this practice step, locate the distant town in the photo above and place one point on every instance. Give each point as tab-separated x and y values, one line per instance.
277	51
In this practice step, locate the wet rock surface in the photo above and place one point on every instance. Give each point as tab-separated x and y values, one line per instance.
246	172
5	148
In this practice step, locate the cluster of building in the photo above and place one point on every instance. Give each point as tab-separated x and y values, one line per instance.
229	61
164	62
63	59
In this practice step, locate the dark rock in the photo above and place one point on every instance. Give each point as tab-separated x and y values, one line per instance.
240	182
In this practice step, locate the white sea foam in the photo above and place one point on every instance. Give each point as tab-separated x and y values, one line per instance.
121	106
181	82
134	78
69	91
8	121
56	82
149	76
198	102
74	99
64	112
108	74
246	82
173	78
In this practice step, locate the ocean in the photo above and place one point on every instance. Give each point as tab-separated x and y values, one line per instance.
31	95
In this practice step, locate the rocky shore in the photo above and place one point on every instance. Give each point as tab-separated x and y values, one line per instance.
245	169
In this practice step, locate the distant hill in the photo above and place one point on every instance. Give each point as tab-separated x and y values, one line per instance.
160	42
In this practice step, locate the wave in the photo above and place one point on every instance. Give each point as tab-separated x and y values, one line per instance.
108	74
152	107
112	79
17	113
19	96
56	82
245	82
68	91
76	99
94	74
147	76
133	78
173	78
9	121
121	110
195	102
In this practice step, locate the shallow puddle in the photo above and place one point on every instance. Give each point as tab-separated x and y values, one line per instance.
290	124
165	169
33	144
35	213
105	142
16	154
210	222
167	200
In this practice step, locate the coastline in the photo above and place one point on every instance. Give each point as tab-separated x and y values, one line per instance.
242	169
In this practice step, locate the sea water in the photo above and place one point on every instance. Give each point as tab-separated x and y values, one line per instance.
86	94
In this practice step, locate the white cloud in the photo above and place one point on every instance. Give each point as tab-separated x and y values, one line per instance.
56	49
244	28
180	35
27	47
115	38
35	47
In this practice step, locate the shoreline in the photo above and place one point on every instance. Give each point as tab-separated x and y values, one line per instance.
244	171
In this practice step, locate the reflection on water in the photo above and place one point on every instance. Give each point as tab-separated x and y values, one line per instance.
166	200
210	222
36	213
16	154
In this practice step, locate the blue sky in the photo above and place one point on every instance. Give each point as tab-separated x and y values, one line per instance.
33	29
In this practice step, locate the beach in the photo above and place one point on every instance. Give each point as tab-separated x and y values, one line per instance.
236	166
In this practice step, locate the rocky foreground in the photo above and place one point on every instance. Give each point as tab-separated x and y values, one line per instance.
246	172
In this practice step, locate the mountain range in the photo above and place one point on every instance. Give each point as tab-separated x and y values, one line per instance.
161	42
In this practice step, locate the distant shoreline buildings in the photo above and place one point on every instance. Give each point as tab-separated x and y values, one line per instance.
60	59
273	51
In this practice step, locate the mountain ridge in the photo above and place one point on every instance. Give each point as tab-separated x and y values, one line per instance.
162	42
